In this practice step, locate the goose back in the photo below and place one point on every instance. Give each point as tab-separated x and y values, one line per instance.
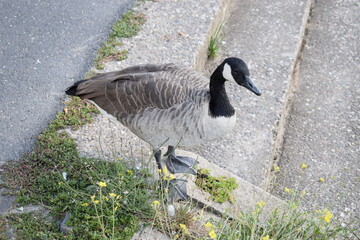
162	104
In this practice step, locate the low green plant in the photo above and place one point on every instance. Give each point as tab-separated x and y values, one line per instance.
101	196
76	113
32	226
128	25
215	43
286	224
220	188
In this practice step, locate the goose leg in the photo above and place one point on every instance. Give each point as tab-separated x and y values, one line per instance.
157	155
177	190
176	187
178	164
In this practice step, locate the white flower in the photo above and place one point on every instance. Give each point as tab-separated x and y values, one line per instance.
64	174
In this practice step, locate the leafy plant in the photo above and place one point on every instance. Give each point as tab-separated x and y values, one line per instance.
54	175
220	188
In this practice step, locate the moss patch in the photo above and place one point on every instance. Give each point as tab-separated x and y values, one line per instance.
220	188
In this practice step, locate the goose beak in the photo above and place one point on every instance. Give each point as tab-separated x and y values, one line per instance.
250	85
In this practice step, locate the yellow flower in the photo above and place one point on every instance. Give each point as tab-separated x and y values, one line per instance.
293	205
129	172
209	225
165	171
112	195
303	166
267	237
277	168
322	179
287	190
92	197
96	201
101	184
85	204
155	203
120	159
106	198
328	216
170	177
212	234
184	229
261	204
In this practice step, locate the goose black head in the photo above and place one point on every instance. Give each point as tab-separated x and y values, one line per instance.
235	70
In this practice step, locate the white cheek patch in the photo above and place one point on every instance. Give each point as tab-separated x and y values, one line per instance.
227	73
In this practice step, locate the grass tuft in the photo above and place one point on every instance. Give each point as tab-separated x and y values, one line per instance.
127	26
215	43
286	224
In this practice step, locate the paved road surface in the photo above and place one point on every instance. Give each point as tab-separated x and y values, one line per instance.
44	46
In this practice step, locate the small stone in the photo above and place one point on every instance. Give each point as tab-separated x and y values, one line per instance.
20	209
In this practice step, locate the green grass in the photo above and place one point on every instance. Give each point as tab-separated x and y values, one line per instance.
32	226
38	178
76	113
108	199
287	224
128	26
215	43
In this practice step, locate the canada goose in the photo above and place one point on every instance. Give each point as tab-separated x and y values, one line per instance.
168	105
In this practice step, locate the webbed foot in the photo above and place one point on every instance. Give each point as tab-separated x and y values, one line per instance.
179	164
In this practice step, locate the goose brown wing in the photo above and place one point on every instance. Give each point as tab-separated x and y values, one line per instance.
137	92
141	87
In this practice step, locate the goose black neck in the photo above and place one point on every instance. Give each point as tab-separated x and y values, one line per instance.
219	105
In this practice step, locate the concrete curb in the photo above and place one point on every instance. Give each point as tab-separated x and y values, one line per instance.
174	31
246	194
289	94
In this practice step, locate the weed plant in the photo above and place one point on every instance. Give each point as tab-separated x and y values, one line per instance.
101	196
215	43
109	199
127	26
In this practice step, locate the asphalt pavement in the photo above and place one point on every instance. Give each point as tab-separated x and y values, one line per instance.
44	47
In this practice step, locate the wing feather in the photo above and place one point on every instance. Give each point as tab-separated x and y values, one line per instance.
134	89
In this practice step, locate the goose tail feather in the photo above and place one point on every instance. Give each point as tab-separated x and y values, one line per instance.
72	91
